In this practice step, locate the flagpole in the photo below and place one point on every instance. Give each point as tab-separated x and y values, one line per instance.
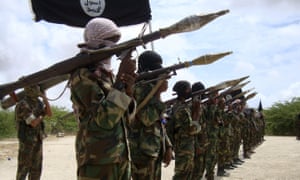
150	30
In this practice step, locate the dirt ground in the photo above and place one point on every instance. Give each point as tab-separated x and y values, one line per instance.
278	158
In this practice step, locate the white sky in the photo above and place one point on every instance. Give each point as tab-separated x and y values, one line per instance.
264	36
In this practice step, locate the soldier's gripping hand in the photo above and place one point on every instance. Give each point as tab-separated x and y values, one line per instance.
126	76
163	87
168	156
196	110
129	81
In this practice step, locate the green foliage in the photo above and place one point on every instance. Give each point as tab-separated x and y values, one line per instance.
61	120
56	123
7	124
281	117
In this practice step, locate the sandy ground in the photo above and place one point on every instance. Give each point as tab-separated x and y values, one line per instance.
278	158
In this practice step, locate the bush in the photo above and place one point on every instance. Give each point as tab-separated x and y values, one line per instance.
281	117
57	123
7	124
62	120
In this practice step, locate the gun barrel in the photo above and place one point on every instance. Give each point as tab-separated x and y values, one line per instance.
202	60
68	65
44	85
191	23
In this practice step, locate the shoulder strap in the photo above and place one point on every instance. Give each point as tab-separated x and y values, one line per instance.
150	95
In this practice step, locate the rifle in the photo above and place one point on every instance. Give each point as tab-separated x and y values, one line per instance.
250	96
44	85
187	24
226	92
211	90
232	89
238	96
142	77
147	77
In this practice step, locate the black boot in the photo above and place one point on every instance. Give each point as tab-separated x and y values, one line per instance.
237	161
222	172
246	155
228	166
210	177
233	165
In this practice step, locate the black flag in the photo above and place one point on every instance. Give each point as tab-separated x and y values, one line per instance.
260	107
79	12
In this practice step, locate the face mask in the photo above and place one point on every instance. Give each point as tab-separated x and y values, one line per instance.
105	64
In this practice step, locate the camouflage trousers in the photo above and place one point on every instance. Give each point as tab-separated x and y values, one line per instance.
199	166
30	159
246	139
115	171
211	156
236	143
229	150
146	167
222	152
223	148
184	166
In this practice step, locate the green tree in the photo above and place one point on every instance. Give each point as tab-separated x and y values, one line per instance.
7	124
61	120
281	117
68	124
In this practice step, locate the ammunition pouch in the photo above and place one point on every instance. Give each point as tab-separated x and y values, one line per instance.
150	140
146	140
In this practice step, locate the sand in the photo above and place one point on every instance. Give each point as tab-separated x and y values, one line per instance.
278	158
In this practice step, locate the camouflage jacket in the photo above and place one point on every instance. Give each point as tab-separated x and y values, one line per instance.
182	130
23	110
211	116
237	121
147	131
101	111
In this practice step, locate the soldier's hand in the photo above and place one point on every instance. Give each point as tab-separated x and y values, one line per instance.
127	66
163	87
129	81
196	110
126	75
167	156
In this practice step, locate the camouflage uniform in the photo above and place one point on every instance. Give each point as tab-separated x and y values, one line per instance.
246	133
223	149
211	155
30	138
182	131
101	143
262	118
237	119
201	147
260	121
297	127
147	136
229	146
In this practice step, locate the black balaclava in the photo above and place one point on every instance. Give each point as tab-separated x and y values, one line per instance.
181	89
149	61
